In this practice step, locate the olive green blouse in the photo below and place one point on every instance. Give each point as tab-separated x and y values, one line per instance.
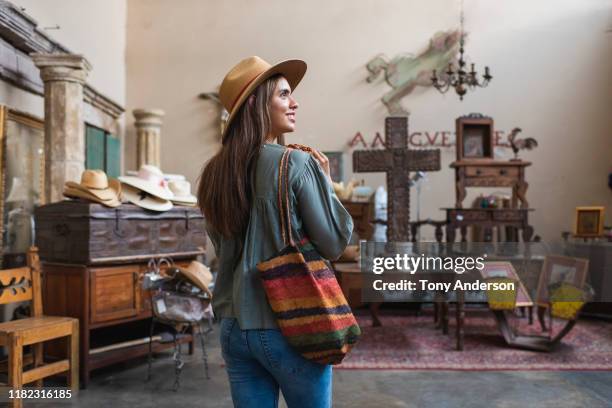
315	210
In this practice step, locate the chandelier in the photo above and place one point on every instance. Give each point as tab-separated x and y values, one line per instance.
457	78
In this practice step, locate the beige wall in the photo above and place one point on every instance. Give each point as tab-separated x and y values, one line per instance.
94	28
551	61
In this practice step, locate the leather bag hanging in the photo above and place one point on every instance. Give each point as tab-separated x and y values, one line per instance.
311	310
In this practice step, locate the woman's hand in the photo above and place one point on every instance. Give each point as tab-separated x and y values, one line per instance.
323	162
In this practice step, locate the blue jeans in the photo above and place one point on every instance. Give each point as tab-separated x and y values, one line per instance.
260	361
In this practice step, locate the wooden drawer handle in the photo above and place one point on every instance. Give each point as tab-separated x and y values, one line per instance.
503	172
478	172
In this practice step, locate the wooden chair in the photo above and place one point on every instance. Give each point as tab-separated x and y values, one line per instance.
23	284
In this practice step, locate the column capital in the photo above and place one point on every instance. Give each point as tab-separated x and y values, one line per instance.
148	117
62	67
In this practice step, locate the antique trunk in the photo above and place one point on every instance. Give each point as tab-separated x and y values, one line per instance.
80	232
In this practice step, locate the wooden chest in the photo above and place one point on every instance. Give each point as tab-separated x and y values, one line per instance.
80	232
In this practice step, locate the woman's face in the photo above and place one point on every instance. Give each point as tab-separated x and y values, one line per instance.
282	109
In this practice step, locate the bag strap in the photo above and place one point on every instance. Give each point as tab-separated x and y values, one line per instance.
283	198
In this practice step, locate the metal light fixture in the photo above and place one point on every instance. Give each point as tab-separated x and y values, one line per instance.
458	78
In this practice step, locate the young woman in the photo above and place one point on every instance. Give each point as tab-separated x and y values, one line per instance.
237	193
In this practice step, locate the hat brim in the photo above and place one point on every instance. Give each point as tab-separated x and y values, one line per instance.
147	187
189	199
146	201
183	204
293	70
77	193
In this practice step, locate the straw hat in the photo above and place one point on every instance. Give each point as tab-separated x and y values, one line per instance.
198	274
151	180
74	193
243	78
95	182
95	186
182	192
144	199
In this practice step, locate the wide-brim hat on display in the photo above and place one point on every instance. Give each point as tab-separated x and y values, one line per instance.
96	183
96	187
249	73
182	192
145	200
198	274
74	193
151	180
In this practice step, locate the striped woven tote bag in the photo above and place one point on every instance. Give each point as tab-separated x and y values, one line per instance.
304	294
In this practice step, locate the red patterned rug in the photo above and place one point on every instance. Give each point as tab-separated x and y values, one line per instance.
408	342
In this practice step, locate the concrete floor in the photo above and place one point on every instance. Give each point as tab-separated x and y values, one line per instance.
124	386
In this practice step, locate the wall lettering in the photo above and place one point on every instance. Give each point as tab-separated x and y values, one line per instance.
426	138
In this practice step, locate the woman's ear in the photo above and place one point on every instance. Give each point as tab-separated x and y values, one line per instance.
251	100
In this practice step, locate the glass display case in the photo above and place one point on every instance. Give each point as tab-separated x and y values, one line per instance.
21	182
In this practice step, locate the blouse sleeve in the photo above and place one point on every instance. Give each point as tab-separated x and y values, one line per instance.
324	219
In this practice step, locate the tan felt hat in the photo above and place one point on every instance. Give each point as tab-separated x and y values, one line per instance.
243	78
198	274
96	183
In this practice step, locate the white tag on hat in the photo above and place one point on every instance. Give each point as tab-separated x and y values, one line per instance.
161	306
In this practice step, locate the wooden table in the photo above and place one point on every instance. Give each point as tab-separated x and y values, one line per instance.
486	217
491	173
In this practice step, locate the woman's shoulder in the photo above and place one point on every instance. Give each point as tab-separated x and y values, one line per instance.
269	162
274	152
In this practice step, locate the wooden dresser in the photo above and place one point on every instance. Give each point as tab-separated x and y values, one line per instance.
112	308
93	263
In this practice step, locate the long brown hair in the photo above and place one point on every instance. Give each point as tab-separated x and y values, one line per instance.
225	187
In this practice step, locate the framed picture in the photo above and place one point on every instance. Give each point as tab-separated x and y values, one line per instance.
473	143
589	222
474	137
506	270
557	269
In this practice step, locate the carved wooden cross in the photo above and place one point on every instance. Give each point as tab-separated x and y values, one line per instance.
397	161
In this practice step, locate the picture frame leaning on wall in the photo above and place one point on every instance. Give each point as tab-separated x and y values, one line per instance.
589	222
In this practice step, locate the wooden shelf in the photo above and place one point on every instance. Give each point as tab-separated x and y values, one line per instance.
116	356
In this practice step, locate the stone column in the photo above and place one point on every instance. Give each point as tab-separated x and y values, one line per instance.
148	132
64	76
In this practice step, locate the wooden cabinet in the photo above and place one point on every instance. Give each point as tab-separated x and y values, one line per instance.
111	306
115	293
93	262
